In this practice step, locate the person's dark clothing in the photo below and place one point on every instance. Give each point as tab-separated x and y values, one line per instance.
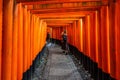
64	42
48	37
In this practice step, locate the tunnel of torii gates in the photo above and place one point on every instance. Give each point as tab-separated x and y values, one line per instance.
92	26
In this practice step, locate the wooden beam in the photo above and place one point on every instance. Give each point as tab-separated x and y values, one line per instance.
68	5
59	21
60	18
24	2
63	10
57	26
64	14
60	24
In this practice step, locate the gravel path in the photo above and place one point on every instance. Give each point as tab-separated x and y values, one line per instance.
60	66
55	65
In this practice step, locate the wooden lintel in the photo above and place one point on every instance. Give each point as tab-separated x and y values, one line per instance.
71	15
48	17
58	19
83	4
66	8
25	2
51	15
56	24
63	10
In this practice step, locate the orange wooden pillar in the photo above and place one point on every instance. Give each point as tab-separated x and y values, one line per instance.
28	56
53	33
40	34
98	43
81	35
68	33
71	37
99	46
117	39
14	43
112	32
35	26
59	34
86	41
41	25
7	39
96	35
35	35
72	34
105	41
20	43
94	42
45	34
32	38
25	39
39	29
77	34
84	35
87	27
92	37
1	5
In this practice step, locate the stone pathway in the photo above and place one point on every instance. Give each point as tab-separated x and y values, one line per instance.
55	65
60	66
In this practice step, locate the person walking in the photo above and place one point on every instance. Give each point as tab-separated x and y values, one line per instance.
64	41
48	37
